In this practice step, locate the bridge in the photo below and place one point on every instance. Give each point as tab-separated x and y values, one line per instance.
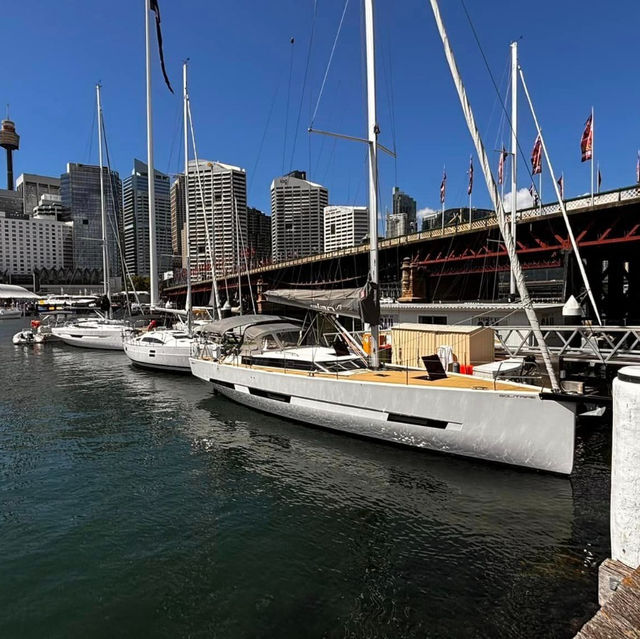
468	261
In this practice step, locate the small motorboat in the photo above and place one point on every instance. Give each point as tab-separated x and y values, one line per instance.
24	337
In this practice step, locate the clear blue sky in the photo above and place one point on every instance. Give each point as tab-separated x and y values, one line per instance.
575	53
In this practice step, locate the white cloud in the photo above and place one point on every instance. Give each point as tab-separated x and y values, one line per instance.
425	213
524	200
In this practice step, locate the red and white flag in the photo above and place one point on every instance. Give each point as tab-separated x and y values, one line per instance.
503	157
443	187
536	157
586	144
561	185
470	187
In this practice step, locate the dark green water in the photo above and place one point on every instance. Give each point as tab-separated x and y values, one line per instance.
135	504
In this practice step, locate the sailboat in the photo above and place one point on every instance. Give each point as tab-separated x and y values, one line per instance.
100	331
169	349
268	363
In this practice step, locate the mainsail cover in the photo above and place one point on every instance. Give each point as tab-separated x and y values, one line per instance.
361	303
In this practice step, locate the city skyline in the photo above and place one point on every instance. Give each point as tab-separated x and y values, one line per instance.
247	114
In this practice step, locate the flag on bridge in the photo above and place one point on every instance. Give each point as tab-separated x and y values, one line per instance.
443	186
536	156
534	195
638	169
561	186
503	157
470	187
586	143
599	178
153	5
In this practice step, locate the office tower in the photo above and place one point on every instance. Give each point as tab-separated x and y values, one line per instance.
297	216
135	217
80	193
404	206
217	217
344	226
258	237
177	219
32	187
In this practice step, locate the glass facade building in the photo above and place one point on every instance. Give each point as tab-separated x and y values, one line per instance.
80	192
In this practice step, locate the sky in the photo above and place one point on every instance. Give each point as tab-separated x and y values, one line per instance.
254	93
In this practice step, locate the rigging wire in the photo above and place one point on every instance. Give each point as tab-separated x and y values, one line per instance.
493	81
304	84
326	72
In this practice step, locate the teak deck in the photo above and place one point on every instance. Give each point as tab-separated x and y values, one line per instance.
413	378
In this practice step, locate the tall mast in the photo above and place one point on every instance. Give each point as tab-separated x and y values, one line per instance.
527	304
514	150
151	174
372	136
103	214
185	115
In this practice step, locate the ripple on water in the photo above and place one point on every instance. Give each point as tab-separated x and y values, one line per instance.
136	504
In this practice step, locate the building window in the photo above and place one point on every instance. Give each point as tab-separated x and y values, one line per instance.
432	319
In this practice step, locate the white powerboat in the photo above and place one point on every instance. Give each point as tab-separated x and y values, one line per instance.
96	332
10	313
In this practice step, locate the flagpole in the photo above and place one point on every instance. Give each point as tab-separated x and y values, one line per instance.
151	174
514	151
540	191
593	138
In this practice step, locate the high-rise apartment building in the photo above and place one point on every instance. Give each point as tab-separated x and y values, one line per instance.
297	216
217	217
32	187
80	193
344	226
11	202
177	219
258	237
135	218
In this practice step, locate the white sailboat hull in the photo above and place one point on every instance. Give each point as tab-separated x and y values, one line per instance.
499	426
171	356
106	337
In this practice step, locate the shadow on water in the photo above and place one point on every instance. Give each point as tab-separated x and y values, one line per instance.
138	504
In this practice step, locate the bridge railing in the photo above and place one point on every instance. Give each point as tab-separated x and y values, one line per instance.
603	344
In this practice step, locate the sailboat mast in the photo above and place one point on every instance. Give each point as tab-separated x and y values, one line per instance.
527	304
187	233
514	151
151	174
372	136
103	214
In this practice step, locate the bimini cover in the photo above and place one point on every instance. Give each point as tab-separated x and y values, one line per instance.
273	328
220	327
361	303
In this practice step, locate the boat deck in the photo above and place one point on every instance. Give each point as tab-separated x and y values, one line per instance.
413	378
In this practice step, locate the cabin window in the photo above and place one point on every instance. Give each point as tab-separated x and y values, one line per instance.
432	319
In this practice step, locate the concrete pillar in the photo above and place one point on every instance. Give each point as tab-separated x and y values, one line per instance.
625	468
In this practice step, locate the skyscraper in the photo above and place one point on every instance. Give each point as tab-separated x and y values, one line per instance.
344	226
217	225
135	215
33	187
404	206
80	192
297	216
177	219
258	237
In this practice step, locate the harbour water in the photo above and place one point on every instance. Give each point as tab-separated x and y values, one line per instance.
138	504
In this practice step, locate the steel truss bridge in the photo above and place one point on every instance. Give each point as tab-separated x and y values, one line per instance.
468	261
